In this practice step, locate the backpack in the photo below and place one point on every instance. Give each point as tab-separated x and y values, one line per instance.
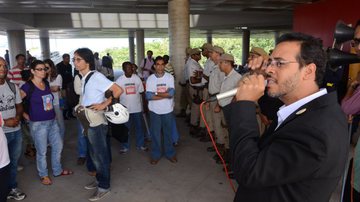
12	87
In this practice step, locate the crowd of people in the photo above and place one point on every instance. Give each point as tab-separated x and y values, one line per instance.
281	136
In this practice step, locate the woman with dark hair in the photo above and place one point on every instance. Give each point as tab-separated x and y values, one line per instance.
55	80
43	125
107	68
93	99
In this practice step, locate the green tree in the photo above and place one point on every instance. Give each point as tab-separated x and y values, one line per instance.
161	47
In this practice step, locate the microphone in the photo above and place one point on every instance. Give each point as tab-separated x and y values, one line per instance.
226	94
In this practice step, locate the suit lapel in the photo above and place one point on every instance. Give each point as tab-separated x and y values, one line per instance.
322	101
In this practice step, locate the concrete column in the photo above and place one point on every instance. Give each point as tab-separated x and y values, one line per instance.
45	44
16	40
179	38
131	46
209	37
140	47
246	45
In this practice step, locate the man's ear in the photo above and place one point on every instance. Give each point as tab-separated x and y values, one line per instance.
310	71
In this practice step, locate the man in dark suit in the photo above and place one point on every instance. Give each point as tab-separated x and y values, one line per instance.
302	155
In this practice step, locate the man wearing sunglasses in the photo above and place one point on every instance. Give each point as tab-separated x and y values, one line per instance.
351	106
302	155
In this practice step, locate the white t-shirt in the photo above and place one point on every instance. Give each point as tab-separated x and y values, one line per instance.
7	104
56	82
4	153
131	97
154	84
95	89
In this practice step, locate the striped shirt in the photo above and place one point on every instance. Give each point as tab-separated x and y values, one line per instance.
14	76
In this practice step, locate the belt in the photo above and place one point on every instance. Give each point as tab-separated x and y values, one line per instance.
211	95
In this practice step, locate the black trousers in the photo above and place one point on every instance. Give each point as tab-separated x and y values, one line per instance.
4	183
347	192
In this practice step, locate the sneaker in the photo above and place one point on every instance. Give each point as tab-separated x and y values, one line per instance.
142	148
20	168
124	151
92	185
16	194
98	195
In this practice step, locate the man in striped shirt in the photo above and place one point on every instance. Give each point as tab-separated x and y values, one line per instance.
14	74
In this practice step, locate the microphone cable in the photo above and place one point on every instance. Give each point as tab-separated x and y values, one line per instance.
214	145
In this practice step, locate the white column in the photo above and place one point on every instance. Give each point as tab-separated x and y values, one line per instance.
16	40
131	46
179	38
45	44
140	49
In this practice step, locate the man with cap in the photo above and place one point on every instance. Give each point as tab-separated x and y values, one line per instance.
215	80
194	73
209	66
230	82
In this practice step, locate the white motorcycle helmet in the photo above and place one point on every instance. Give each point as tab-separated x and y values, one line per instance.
117	114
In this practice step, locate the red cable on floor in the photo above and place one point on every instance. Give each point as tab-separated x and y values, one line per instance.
216	149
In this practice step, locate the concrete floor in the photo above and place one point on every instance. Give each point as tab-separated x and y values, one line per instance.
196	177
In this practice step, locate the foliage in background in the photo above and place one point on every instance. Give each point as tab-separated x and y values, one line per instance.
161	47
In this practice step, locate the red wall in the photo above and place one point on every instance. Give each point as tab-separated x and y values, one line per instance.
319	19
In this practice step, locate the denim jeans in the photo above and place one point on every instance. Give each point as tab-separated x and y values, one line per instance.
100	155
44	132
14	140
81	142
174	131
135	119
161	123
60	120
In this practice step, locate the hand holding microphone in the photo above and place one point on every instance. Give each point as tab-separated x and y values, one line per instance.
251	88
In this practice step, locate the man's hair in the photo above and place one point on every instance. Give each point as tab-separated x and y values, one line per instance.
65	55
19	55
159	58
357	23
149	51
106	62
125	64
311	51
87	55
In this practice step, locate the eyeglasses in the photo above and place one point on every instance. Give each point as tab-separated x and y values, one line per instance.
42	69
279	63
77	59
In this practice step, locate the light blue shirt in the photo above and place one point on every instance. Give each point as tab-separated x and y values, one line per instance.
285	111
95	89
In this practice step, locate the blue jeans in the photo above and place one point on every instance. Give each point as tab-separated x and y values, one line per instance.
81	142
44	132
100	155
164	123
174	132
14	140
60	120
135	119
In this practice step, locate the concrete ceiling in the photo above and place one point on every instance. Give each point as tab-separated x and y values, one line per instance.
114	18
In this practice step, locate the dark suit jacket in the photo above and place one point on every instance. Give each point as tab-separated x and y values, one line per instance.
302	160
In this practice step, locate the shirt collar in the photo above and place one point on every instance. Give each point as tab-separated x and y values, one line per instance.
285	111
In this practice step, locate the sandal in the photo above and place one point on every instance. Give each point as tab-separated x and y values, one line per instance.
46	180
65	172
